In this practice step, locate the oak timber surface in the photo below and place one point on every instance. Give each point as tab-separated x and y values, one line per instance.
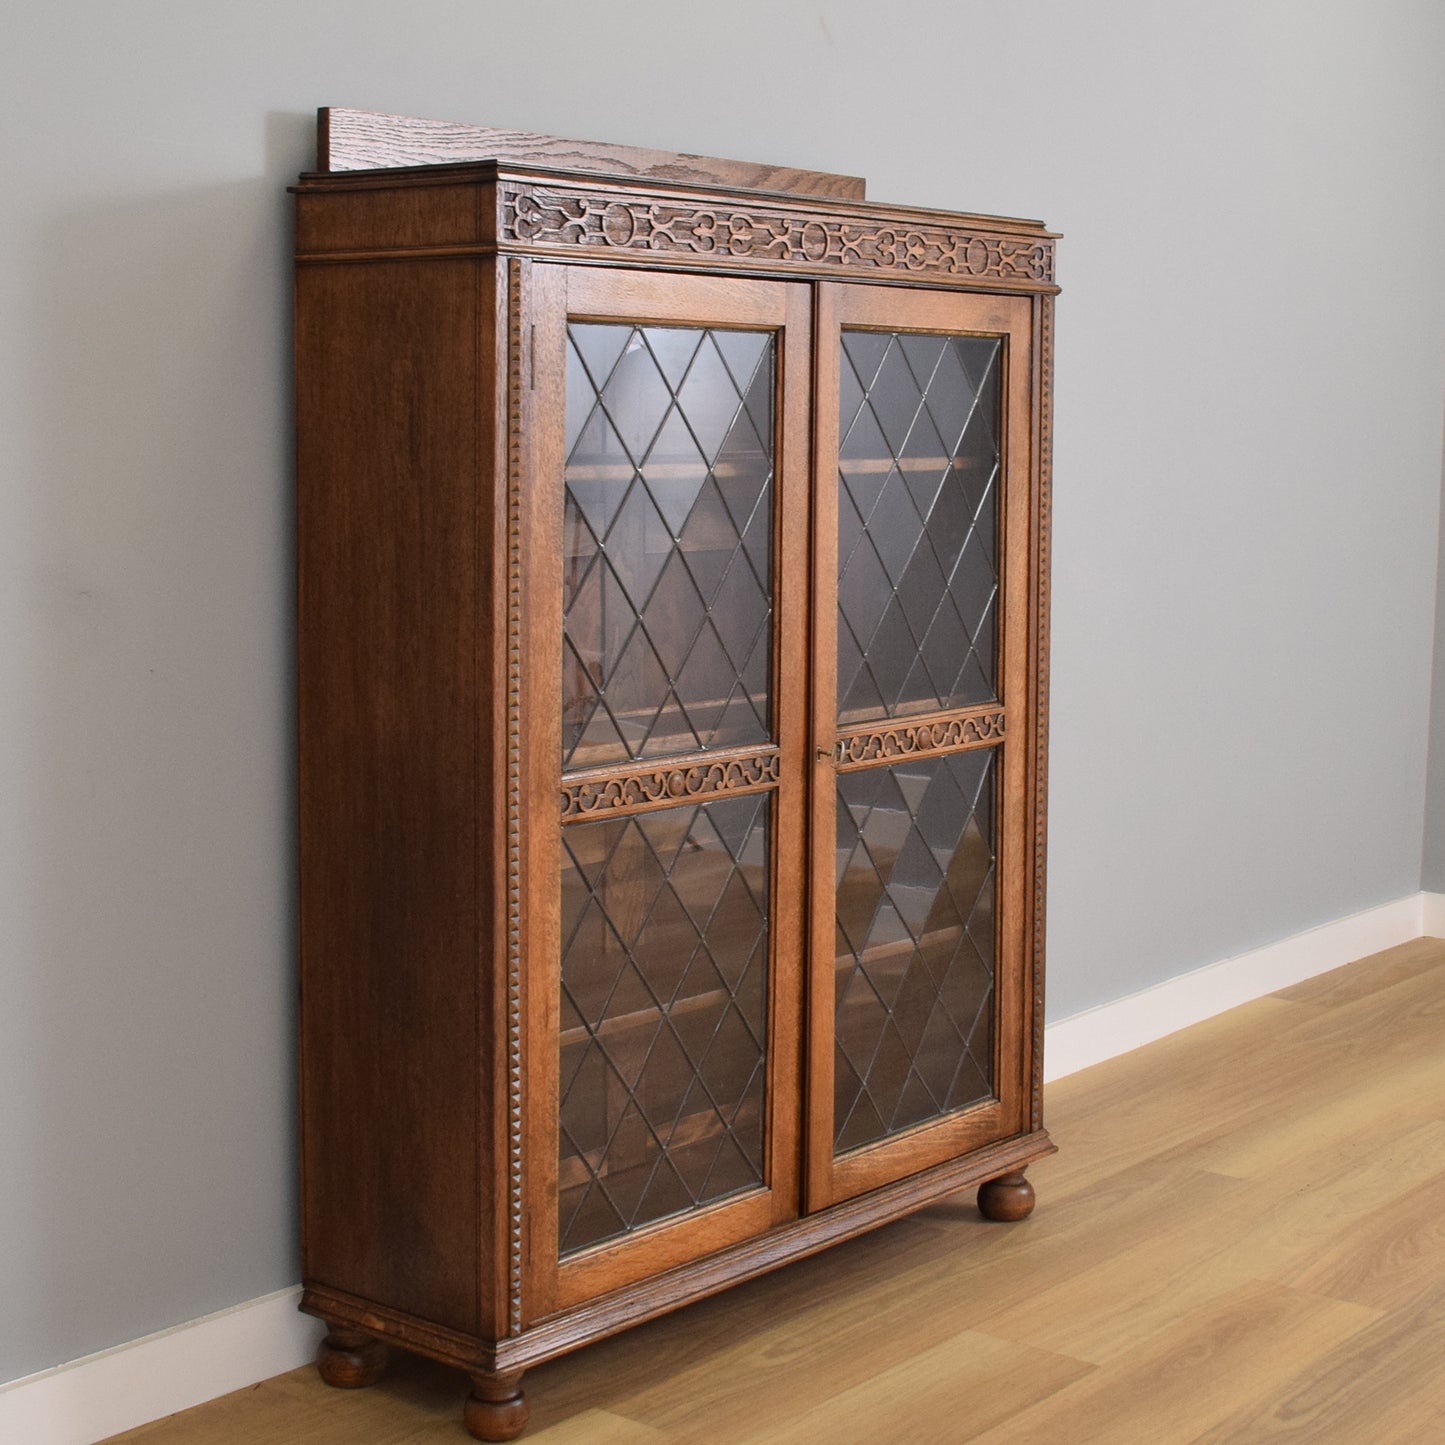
352	140
1242	1240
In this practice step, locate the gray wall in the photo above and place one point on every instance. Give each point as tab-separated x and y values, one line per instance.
1248	469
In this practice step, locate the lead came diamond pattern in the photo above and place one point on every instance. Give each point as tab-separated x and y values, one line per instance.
664	1017
915	944
667	566
918	469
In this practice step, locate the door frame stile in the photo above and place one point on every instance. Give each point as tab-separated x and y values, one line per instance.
786	1088
543	360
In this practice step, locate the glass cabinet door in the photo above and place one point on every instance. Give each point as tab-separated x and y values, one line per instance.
667	513
922	457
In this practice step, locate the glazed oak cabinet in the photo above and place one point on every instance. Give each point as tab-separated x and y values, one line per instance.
672	545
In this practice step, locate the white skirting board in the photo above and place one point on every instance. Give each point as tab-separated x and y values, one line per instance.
1128	1023
120	1388
1432	915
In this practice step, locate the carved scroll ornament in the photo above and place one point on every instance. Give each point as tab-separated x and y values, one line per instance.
909	738
587	798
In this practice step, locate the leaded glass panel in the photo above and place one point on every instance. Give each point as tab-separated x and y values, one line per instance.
667	541
918	529
664	1014
916	889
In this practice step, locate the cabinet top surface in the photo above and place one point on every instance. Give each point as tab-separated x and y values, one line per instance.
367	150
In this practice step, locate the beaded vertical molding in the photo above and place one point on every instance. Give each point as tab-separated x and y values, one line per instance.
514	793
1041	673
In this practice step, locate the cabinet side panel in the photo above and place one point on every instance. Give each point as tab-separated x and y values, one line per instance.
391	563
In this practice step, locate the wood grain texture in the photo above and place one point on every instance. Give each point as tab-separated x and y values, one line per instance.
650	1298
352	140
1293	1298
433	304
823	747
1380	1259
1105	1311
480	209
1380	1384
1007	1199
497	1408
1188	1375
400	219
350	1360
388	547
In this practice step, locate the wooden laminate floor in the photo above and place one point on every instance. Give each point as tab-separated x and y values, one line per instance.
1242	1239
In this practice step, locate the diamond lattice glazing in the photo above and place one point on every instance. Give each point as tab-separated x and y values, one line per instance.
667	565
918	467
664	1016
915	944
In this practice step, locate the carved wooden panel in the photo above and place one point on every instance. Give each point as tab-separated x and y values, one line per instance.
659	787
574	219
870	745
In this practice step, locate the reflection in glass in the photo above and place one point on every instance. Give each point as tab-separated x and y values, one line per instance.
667	541
664	1014
915	943
918	469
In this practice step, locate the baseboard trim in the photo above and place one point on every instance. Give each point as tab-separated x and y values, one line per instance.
1432	915
91	1399
117	1389
1129	1023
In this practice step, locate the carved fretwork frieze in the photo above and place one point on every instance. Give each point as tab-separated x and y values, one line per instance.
906	739
815	239
662	786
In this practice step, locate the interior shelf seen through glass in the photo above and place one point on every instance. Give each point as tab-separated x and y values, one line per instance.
920	425
918	523
667	541
667	554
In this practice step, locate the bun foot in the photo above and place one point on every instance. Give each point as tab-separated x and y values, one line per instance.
496	1409
350	1359
1008	1198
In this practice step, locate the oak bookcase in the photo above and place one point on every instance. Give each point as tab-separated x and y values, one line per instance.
672	637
